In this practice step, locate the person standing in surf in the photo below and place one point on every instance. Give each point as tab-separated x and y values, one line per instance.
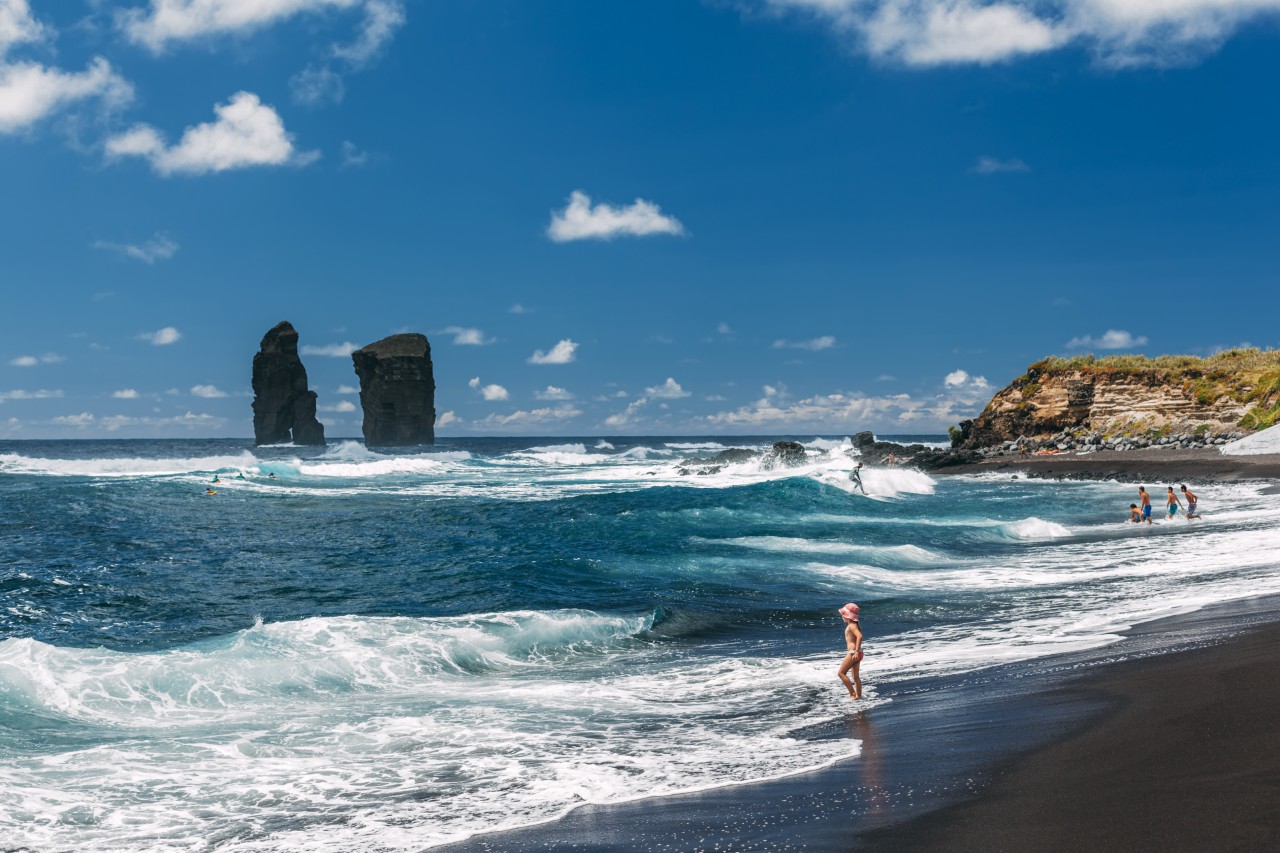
852	662
1173	502
1191	504
856	476
1146	503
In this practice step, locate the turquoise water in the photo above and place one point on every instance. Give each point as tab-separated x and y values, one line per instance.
386	651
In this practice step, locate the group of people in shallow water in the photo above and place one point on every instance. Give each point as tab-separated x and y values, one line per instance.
1140	513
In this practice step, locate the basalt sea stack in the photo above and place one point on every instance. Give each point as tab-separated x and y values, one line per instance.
397	391
284	410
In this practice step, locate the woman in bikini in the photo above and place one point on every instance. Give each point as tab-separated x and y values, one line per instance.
853	656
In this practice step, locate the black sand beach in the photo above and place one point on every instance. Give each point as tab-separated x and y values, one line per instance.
1158	465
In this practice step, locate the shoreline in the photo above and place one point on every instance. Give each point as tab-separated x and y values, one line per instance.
1166	466
902	790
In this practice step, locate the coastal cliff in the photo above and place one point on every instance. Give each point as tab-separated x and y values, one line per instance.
284	409
397	391
1095	401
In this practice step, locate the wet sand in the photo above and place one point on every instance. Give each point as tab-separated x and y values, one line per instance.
1189	760
1164	466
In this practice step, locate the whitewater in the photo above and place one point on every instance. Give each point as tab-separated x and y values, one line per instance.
347	648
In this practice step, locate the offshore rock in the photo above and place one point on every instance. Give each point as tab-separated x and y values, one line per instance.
788	453
397	391
284	409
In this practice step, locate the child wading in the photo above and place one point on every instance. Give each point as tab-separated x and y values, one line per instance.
853	657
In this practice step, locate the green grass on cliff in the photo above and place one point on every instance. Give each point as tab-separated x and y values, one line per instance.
1245	375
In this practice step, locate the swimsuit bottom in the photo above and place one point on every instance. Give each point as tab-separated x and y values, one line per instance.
856	655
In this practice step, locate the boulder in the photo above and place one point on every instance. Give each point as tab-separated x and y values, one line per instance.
284	409
788	453
397	391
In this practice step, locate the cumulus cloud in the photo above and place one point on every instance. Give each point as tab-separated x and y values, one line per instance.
962	379
342	350
467	337
113	423
19	394
31	92
209	392
553	393
1110	339
161	337
347	389
340	407
247	133
158	248
315	85
669	390
164	22
580	220
81	420
628	416
925	33
532	418
813	344
32	361
125	394
381	20
352	156
994	166
562	353
445	419
489	392
517	309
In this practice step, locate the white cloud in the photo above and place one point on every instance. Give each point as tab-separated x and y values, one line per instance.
158	248
581	221
467	337
81	420
536	417
628	416
517	309
18	394
446	419
161	337
353	157
669	390
724	329
342	350
962	379
17	25
381	20
316	85
125	394
1110	339
553	393
813	344
562	353
994	166
209	392
342	406
246	133
489	392
30	92
24	361
168	21
924	33
347	389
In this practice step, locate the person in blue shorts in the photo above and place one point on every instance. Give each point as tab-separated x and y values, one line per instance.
1146	503
1173	501
1192	500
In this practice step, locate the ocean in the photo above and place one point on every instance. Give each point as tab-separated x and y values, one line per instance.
345	649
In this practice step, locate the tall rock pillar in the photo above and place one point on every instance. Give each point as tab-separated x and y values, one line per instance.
284	409
397	391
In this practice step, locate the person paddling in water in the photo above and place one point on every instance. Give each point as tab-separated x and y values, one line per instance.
853	656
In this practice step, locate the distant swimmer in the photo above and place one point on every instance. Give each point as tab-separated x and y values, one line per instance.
215	479
210	491
240	476
856	476
1191	504
1174	503
1135	514
853	651
272	476
1146	503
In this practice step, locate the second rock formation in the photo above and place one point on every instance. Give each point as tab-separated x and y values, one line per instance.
284	409
397	391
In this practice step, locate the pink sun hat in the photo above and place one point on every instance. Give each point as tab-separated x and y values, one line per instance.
849	611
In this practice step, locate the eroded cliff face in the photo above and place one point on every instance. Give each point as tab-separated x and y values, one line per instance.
284	409
397	391
1043	403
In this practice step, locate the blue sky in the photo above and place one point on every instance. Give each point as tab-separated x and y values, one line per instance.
763	216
